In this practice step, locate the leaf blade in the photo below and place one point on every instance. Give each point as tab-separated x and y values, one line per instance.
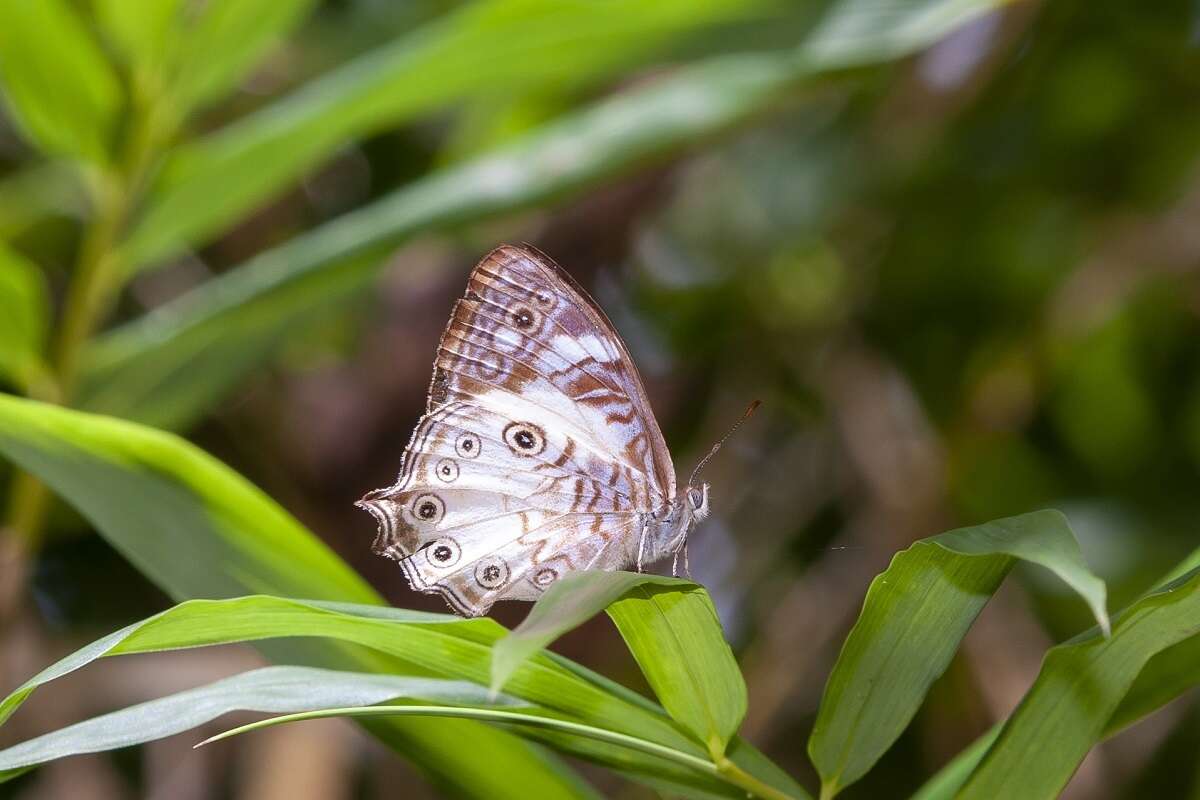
914	616
56	81
269	690
676	639
1080	686
495	46
24	323
566	605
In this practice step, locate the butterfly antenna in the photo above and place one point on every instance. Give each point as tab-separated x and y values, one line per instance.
749	411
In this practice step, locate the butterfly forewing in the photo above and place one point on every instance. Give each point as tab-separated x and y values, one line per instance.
538	453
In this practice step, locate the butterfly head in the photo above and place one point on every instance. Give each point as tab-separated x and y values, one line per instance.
697	501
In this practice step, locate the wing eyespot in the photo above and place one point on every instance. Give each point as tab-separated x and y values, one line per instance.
491	573
467	445
446	470
429	508
443	553
525	318
524	438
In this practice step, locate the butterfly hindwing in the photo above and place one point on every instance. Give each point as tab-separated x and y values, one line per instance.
472	573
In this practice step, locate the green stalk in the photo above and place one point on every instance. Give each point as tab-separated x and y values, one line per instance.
734	774
94	284
725	770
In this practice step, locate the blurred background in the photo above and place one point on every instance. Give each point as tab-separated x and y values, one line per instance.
965	283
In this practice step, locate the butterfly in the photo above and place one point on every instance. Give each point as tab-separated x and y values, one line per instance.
538	453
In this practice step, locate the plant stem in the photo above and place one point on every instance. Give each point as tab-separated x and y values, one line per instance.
724	769
93	285
744	780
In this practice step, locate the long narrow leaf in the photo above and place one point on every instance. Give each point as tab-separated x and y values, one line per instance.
26	313
421	643
183	518
1080	686
566	605
56	80
671	629
674	633
1168	674
274	690
914	616
500	45
173	365
170	366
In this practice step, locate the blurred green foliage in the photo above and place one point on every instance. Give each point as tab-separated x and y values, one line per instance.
953	252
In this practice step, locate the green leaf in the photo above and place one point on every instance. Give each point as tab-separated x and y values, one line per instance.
24	319
34	192
914	616
1079	688
148	369
482	48
173	365
673	632
747	785
512	717
433	644
183	518
56	81
419	643
1168	674
857	32
225	41
270	689
197	529
566	605
140	31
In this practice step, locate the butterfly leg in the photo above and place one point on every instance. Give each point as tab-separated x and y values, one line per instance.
641	547
687	568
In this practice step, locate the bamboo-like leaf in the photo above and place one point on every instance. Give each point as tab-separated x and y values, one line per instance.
1168	674
486	47
56	80
914	616
671	629
37	191
1079	688
224	42
184	519
856	32
274	690
173	365
419	643
188	522
674	633
25	316
140	32
566	605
